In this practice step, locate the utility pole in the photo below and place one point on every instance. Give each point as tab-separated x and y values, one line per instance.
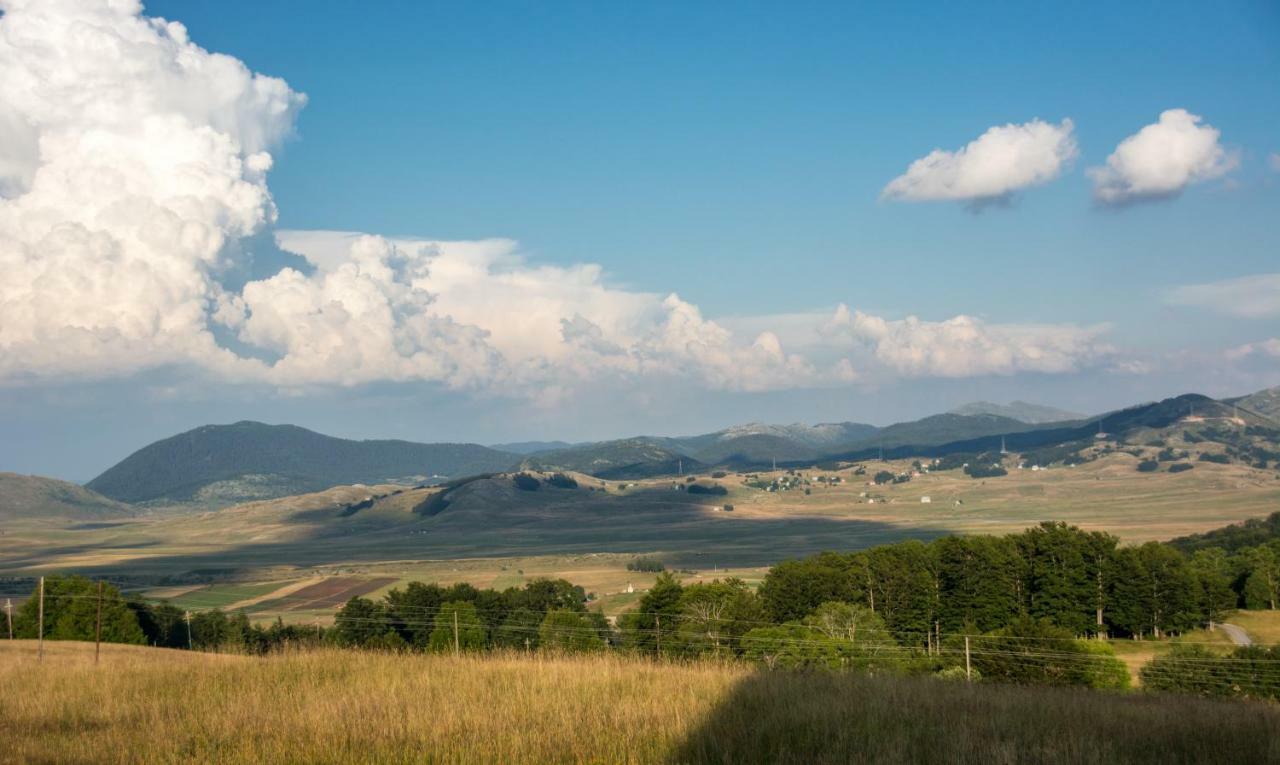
8	612
658	633
97	628
455	632
188	620
40	625
968	668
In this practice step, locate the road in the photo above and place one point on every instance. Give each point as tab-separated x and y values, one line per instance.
1237	634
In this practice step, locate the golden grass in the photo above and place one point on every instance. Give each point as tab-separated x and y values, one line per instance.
1262	626
157	706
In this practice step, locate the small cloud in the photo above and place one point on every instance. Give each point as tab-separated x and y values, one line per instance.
1263	348
1273	161
1161	160
991	168
1249	297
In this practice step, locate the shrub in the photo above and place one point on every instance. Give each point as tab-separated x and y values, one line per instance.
648	564
719	474
1148	466
1218	459
1180	467
884	476
525	482
728	508
562	481
985	471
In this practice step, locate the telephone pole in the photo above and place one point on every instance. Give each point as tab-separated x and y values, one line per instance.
97	628
187	617
455	632
968	668
40	625
658	633
8	612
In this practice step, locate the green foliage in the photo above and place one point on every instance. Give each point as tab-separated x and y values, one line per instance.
1148	466
562	481
1248	673
1031	651
882	477
526	482
646	563
565	630
984	470
457	625
1180	467
71	609
656	620
1220	459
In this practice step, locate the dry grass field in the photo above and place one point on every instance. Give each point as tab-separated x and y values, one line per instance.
155	706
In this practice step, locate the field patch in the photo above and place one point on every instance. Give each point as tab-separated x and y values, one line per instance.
326	594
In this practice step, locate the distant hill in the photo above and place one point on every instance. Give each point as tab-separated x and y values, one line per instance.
1264	402
942	429
821	436
1033	414
27	497
757	449
532	447
251	460
625	458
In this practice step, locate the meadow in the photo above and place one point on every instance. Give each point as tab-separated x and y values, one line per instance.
158	706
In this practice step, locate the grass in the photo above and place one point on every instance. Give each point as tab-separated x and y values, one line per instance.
1262	626
156	706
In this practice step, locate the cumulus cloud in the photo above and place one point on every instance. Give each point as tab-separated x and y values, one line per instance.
964	346
133	191
1003	160
1161	160
1269	348
1250	297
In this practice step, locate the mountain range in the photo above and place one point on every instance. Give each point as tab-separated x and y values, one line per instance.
223	464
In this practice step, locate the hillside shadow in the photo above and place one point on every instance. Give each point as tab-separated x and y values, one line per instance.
690	531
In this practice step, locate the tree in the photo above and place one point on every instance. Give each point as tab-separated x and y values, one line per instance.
1155	591
519	630
978	578
1060	588
657	618
715	615
1213	572
71	612
1035	651
1262	587
566	630
457	625
359	622
793	588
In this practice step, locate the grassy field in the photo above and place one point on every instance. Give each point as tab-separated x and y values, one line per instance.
1262	626
156	706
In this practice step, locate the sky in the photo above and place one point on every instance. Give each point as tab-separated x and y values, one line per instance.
514	221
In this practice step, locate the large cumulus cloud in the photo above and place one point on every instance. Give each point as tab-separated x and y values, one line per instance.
133	186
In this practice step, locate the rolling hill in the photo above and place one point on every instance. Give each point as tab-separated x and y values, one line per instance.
1032	414
251	460
622	459
31	497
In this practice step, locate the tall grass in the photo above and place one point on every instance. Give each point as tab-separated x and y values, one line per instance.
157	706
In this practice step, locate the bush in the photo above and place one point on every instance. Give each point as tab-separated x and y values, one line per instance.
1180	467
525	482
1148	466
719	474
884	476
562	481
1217	459
728	508
985	471
648	564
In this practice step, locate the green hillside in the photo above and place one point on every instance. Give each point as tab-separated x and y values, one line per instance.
250	460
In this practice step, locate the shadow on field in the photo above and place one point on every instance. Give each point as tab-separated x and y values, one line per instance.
486	519
813	718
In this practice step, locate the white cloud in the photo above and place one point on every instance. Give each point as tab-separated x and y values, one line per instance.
1161	160
1250	297
1264	348
133	172
964	346
1003	160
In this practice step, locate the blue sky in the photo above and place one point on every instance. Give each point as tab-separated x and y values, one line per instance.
734	155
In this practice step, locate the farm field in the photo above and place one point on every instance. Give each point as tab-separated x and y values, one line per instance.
156	705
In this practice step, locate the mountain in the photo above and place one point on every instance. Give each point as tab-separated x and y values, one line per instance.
251	460
1264	402
820	436
1032	414
532	447
940	429
640	457
26	497
755	450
